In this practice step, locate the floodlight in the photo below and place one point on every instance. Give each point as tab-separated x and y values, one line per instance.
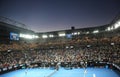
29	36
62	34
95	31
119	22
36	36
116	25
87	32
21	35
108	29
75	33
44	36
78	33
112	27
51	35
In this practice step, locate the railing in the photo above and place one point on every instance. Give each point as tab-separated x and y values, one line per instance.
116	66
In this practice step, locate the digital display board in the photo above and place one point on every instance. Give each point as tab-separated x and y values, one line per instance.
69	35
14	36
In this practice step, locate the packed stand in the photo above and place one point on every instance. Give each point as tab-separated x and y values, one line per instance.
77	50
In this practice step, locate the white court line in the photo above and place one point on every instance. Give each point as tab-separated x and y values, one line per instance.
94	75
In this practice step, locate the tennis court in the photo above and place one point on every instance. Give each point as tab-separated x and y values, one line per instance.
62	72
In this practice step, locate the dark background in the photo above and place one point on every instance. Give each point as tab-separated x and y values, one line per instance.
52	15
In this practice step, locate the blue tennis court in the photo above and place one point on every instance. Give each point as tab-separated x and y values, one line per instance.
89	72
62	72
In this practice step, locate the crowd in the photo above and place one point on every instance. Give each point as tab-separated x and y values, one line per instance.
77	50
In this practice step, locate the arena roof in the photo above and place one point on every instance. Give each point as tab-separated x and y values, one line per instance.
22	27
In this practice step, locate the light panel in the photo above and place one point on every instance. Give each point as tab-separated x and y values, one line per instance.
51	35
95	31
62	34
28	36
44	36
